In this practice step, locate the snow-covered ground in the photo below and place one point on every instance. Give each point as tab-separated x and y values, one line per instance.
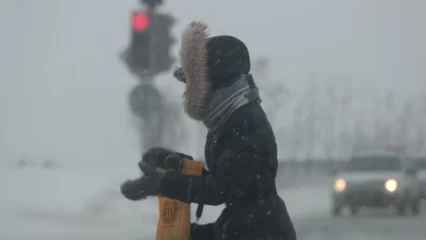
55	204
86	204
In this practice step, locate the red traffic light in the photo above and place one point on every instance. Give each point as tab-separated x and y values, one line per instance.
140	21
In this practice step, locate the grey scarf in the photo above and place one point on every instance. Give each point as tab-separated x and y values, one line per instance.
223	102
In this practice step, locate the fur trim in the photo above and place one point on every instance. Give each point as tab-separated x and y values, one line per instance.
193	59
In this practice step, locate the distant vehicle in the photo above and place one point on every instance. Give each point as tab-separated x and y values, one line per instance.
421	168
377	178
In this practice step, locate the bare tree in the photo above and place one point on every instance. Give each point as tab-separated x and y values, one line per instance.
274	94
404	121
344	110
330	123
360	135
297	131
310	124
389	107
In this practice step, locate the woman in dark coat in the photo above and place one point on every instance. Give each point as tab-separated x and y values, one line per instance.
240	151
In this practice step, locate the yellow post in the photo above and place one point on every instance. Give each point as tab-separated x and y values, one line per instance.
175	216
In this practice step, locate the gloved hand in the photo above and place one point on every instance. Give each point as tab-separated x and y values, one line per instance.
149	183
162	158
143	187
134	189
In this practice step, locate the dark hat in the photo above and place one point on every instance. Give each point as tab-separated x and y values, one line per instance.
227	58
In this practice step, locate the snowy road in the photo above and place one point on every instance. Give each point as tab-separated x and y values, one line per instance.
371	225
368	226
76	205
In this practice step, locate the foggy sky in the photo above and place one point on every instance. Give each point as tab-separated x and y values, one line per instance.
63	90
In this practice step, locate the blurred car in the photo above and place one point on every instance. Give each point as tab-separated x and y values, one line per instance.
421	168
376	179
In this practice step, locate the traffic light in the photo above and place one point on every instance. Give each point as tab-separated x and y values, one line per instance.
162	35
139	52
140	22
150	45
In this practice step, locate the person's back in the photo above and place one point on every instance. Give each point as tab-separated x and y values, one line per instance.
247	137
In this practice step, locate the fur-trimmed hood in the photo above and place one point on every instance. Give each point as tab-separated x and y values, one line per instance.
209	64
193	60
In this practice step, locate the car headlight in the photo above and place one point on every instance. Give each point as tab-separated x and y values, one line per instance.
340	185
391	185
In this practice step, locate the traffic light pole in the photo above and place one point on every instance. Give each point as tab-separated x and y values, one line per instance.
152	43
152	4
151	134
146	60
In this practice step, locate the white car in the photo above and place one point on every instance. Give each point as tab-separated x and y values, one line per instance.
376	179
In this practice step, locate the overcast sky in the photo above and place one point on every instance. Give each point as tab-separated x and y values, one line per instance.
63	90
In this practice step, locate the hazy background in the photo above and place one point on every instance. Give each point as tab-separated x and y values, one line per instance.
63	90
63	99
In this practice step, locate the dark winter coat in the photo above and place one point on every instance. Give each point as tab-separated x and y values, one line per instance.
242	162
240	151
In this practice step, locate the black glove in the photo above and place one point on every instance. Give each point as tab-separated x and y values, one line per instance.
143	187
149	183
163	158
155	157
132	190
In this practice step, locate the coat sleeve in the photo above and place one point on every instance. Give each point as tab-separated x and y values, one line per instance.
241	163
191	189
